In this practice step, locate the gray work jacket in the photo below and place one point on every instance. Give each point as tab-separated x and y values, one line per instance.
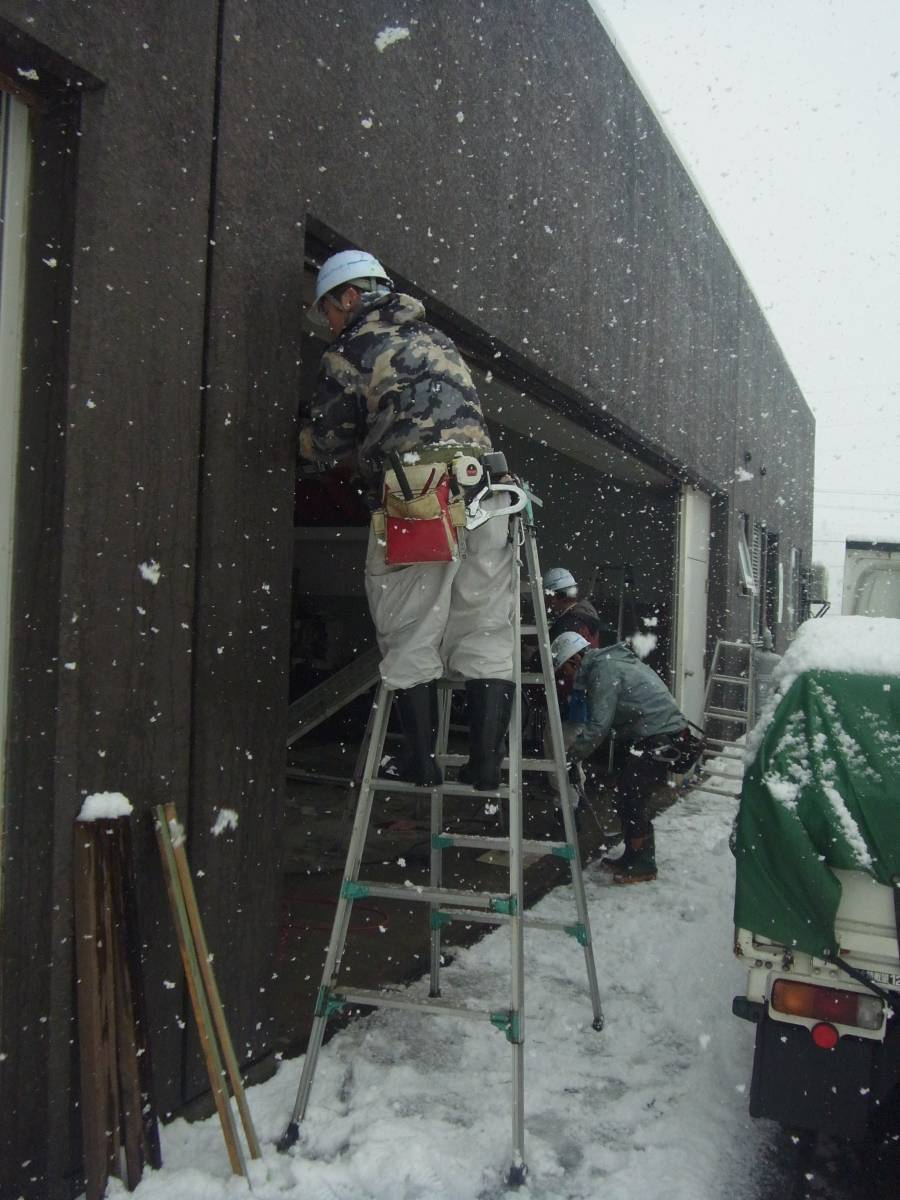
624	694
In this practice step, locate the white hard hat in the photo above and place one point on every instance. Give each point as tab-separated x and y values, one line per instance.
567	644
347	266
558	579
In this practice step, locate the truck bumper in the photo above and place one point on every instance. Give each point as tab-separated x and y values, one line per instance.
835	1091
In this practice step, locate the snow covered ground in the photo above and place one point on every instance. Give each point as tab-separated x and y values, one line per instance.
407	1106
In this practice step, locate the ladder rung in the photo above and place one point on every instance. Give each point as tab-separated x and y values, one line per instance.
726	712
526	629
528	764
376	999
701	787
709	774
724	751
529	845
447	787
473	917
742	680
429	895
534	677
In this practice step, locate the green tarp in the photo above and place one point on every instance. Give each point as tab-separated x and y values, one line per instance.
823	791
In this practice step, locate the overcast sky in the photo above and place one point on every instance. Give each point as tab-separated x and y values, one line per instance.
787	113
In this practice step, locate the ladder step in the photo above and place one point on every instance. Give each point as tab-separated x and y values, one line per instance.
470	916
700	786
490	901
727	712
448	788
538	764
710	774
740	679
530	846
534	677
375	999
528	764
526	629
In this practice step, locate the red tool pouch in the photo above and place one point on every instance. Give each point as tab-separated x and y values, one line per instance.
420	530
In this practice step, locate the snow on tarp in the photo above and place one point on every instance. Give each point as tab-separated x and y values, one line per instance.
822	787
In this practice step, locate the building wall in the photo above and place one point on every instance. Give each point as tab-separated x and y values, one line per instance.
108	480
498	158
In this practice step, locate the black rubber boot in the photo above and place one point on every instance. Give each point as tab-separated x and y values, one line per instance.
608	863
490	705
417	707
640	866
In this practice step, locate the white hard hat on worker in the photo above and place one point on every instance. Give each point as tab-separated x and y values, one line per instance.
355	269
566	646
557	580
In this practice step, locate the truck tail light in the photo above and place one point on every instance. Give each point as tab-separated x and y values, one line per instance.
832	1005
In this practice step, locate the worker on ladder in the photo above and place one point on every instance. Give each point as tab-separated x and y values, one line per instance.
626	695
396	391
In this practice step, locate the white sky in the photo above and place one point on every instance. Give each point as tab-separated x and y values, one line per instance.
787	113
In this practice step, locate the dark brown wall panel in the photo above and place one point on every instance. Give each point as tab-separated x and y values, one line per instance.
126	443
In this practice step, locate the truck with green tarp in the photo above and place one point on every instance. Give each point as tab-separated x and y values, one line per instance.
817	895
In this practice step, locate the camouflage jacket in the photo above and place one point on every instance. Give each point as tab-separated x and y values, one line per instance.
391	382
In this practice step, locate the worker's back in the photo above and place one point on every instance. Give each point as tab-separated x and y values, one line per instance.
644	706
400	385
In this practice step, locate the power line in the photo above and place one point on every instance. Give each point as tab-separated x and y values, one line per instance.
853	507
854	492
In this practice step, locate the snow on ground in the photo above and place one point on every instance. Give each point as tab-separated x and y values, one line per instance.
406	1106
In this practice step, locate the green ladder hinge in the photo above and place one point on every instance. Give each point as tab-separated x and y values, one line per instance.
509	1023
578	932
440	919
567	852
441	841
505	904
351	890
327	1004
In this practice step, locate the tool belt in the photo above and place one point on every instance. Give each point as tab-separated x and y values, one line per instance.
676	751
423	529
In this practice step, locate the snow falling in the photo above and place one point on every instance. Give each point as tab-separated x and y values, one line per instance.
407	1106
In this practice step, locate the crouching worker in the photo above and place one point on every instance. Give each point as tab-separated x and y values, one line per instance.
624	694
396	391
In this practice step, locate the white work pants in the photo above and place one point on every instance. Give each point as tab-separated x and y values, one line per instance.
455	618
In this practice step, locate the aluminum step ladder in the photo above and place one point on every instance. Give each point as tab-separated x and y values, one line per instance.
445	904
729	706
